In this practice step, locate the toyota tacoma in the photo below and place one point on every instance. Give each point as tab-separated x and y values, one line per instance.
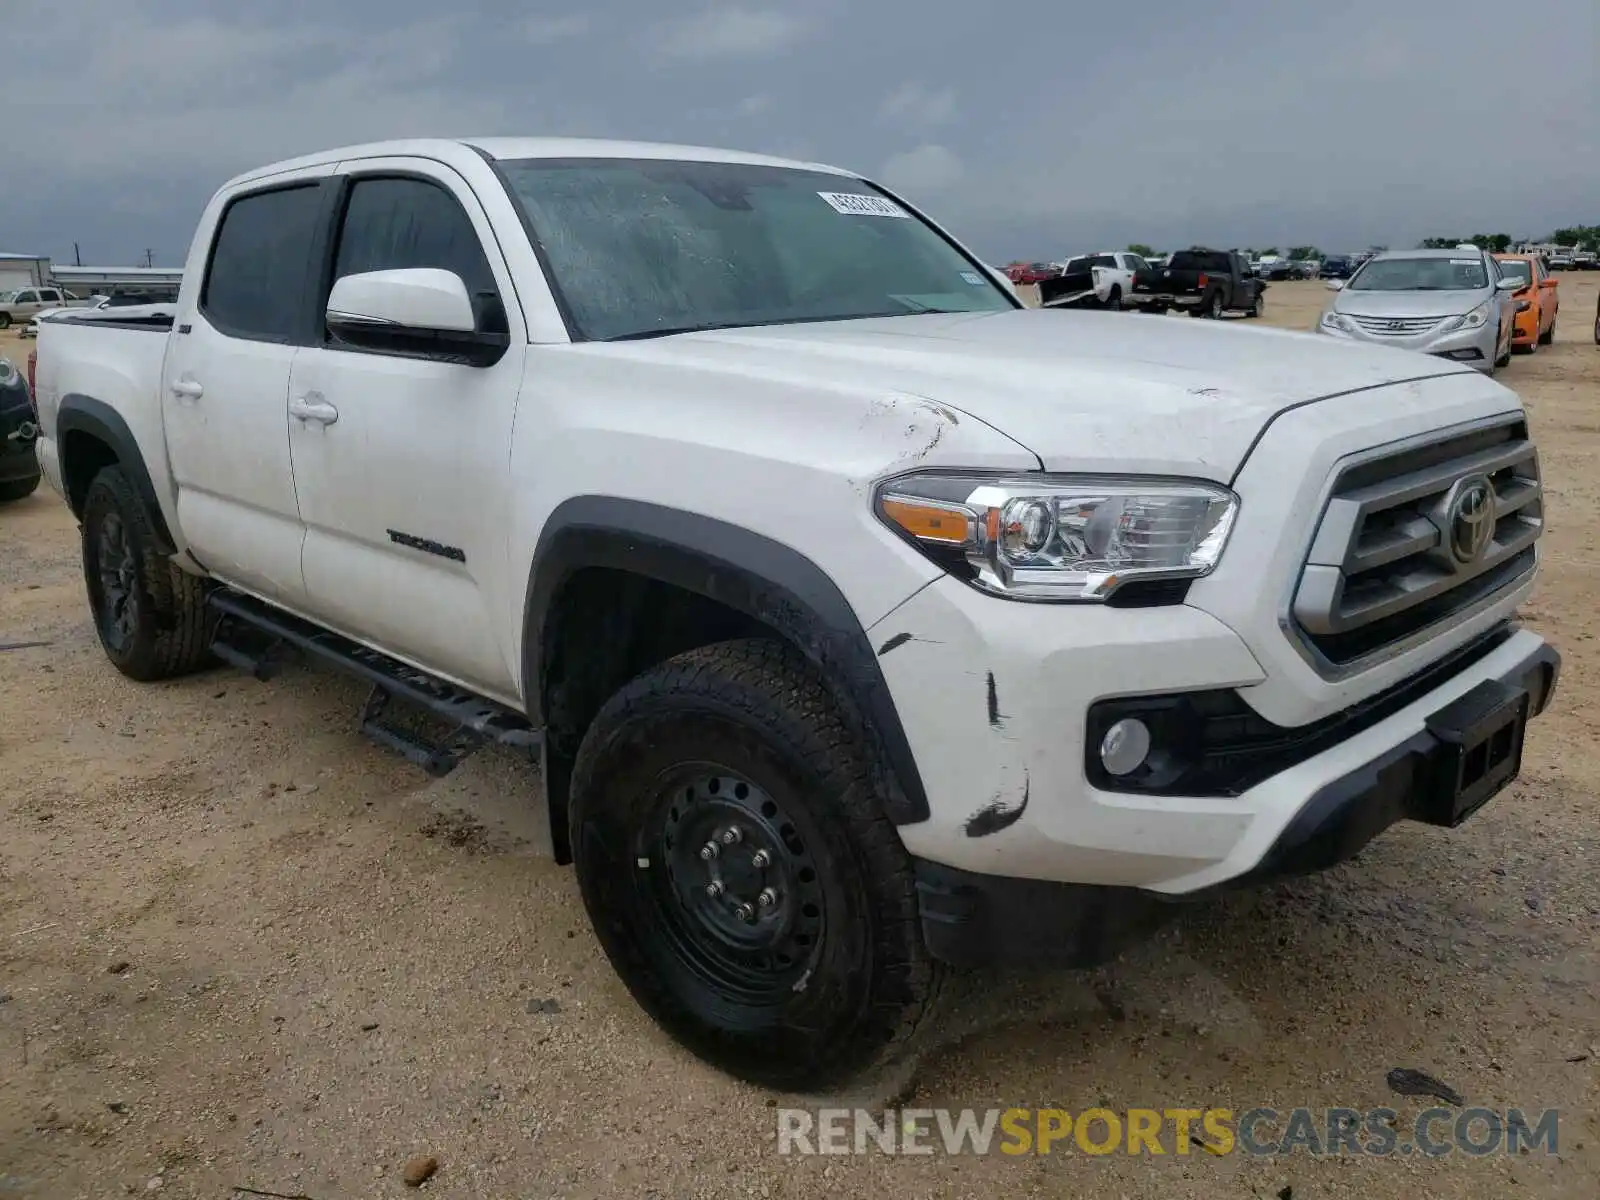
864	622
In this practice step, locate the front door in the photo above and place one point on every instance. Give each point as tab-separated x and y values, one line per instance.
403	470
225	389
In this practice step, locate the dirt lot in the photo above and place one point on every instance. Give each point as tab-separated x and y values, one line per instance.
239	945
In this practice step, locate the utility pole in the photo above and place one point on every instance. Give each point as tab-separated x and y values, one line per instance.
77	259
149	258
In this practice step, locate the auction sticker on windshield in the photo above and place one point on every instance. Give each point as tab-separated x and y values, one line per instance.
856	205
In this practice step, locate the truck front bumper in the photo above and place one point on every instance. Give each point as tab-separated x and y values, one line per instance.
971	919
1020	836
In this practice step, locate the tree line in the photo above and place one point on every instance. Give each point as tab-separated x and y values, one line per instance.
1584	237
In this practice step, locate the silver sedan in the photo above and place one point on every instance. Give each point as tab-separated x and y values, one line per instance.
1451	303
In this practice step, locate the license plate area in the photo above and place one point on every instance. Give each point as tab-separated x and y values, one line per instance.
1480	739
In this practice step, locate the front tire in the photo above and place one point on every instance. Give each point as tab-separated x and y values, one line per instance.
732	850
1258	306
150	615
5	320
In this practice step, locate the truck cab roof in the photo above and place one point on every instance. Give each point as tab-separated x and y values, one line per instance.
508	148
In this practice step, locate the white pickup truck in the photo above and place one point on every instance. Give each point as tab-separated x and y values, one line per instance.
865	622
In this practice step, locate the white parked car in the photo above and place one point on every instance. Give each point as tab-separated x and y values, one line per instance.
866	622
121	306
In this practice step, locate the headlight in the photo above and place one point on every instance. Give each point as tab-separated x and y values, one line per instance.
1332	320
1060	537
1471	320
8	373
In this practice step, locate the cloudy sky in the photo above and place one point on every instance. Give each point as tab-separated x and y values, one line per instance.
1034	129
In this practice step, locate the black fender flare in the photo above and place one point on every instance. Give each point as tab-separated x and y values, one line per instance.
85	414
745	571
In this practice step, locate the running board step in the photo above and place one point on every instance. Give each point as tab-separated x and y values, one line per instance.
256	638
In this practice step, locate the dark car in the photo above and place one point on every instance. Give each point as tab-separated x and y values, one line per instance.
1202	282
19	429
1337	266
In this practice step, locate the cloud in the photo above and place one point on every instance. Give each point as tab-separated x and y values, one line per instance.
729	33
928	168
911	104
543	31
1327	132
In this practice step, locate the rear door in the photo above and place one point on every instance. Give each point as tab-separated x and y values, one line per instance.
405	483
225	385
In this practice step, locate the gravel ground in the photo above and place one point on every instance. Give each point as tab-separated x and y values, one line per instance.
240	946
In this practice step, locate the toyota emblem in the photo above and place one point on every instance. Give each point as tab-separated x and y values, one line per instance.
1469	514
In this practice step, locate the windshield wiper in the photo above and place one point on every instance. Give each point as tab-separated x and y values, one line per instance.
920	307
640	335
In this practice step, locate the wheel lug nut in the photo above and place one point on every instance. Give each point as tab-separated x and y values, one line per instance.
745	913
714	888
709	851
767	898
760	859
732	836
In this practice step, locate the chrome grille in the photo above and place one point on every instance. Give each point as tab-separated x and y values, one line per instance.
1415	537
1396	326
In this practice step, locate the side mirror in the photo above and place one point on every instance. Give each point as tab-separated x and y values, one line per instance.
1336	285
419	312
1549	283
1510	285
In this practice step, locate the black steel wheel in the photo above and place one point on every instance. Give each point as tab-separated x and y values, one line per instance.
737	893
731	846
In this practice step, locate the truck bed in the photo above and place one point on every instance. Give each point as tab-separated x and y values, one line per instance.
116	363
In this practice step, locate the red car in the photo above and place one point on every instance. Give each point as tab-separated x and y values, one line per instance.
1032	272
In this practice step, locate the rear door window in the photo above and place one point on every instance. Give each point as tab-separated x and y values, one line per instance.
255	284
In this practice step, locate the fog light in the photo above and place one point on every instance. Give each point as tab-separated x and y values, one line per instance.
1125	746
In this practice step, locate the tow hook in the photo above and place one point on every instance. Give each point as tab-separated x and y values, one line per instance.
24	432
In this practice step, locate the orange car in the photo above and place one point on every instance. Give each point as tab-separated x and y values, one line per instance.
1538	300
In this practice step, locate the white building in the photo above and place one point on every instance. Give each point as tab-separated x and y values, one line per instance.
23	270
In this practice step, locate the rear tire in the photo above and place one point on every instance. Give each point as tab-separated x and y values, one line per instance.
805	967
17	489
1114	300
151	616
5	320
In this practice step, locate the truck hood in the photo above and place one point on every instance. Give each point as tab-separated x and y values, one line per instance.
1084	391
1409	304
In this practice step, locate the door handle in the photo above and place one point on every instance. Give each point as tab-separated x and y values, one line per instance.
187	388
312	407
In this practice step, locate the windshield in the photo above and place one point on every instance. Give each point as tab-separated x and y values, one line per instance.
1518	269
1421	275
641	247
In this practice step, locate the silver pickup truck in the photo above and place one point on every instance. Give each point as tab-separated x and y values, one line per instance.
23	304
